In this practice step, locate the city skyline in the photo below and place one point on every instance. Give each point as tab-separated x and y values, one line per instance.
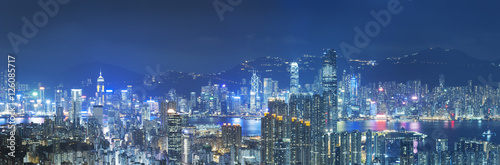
236	82
221	44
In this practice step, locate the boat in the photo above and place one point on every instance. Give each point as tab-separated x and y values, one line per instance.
489	133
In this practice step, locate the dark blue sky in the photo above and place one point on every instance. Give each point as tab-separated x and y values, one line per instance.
187	35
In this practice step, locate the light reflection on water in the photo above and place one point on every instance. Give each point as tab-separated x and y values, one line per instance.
434	129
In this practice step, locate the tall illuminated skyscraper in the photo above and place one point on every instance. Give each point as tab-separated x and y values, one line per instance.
76	107
254	92
294	78
329	82
100	90
59	106
174	137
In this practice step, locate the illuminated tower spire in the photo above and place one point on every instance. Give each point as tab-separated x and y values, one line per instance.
294	78
100	89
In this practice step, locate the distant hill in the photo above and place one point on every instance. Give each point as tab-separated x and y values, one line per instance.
425	65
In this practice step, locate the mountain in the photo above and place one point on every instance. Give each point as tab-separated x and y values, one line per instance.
427	65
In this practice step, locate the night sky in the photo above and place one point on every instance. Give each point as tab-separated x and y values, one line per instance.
189	36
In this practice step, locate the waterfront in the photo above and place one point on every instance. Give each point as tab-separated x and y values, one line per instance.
451	130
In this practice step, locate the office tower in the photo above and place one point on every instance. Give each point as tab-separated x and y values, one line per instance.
192	102
369	147
294	78
274	143
237	105
406	152
76	107
145	114
100	90
300	142
59	106
254	92
111	120
98	114
268	87
223	108
42	99
163	118
441	81
231	140
329	82
174	137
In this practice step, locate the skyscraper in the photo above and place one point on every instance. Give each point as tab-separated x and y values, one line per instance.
174	137
100	90
76	107
369	147
254	92
231	140
273	144
329	82
406	152
300	138
59	106
294	78
329	85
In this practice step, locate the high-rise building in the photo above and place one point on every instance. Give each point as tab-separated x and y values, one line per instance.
294	78
231	140
59	106
100	90
145	114
369	147
174	137
300	138
423	158
329	82
254	92
76	107
441	146
278	107
274	144
356	147
406	152
300	105
163	117
318	120
98	114
379	147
